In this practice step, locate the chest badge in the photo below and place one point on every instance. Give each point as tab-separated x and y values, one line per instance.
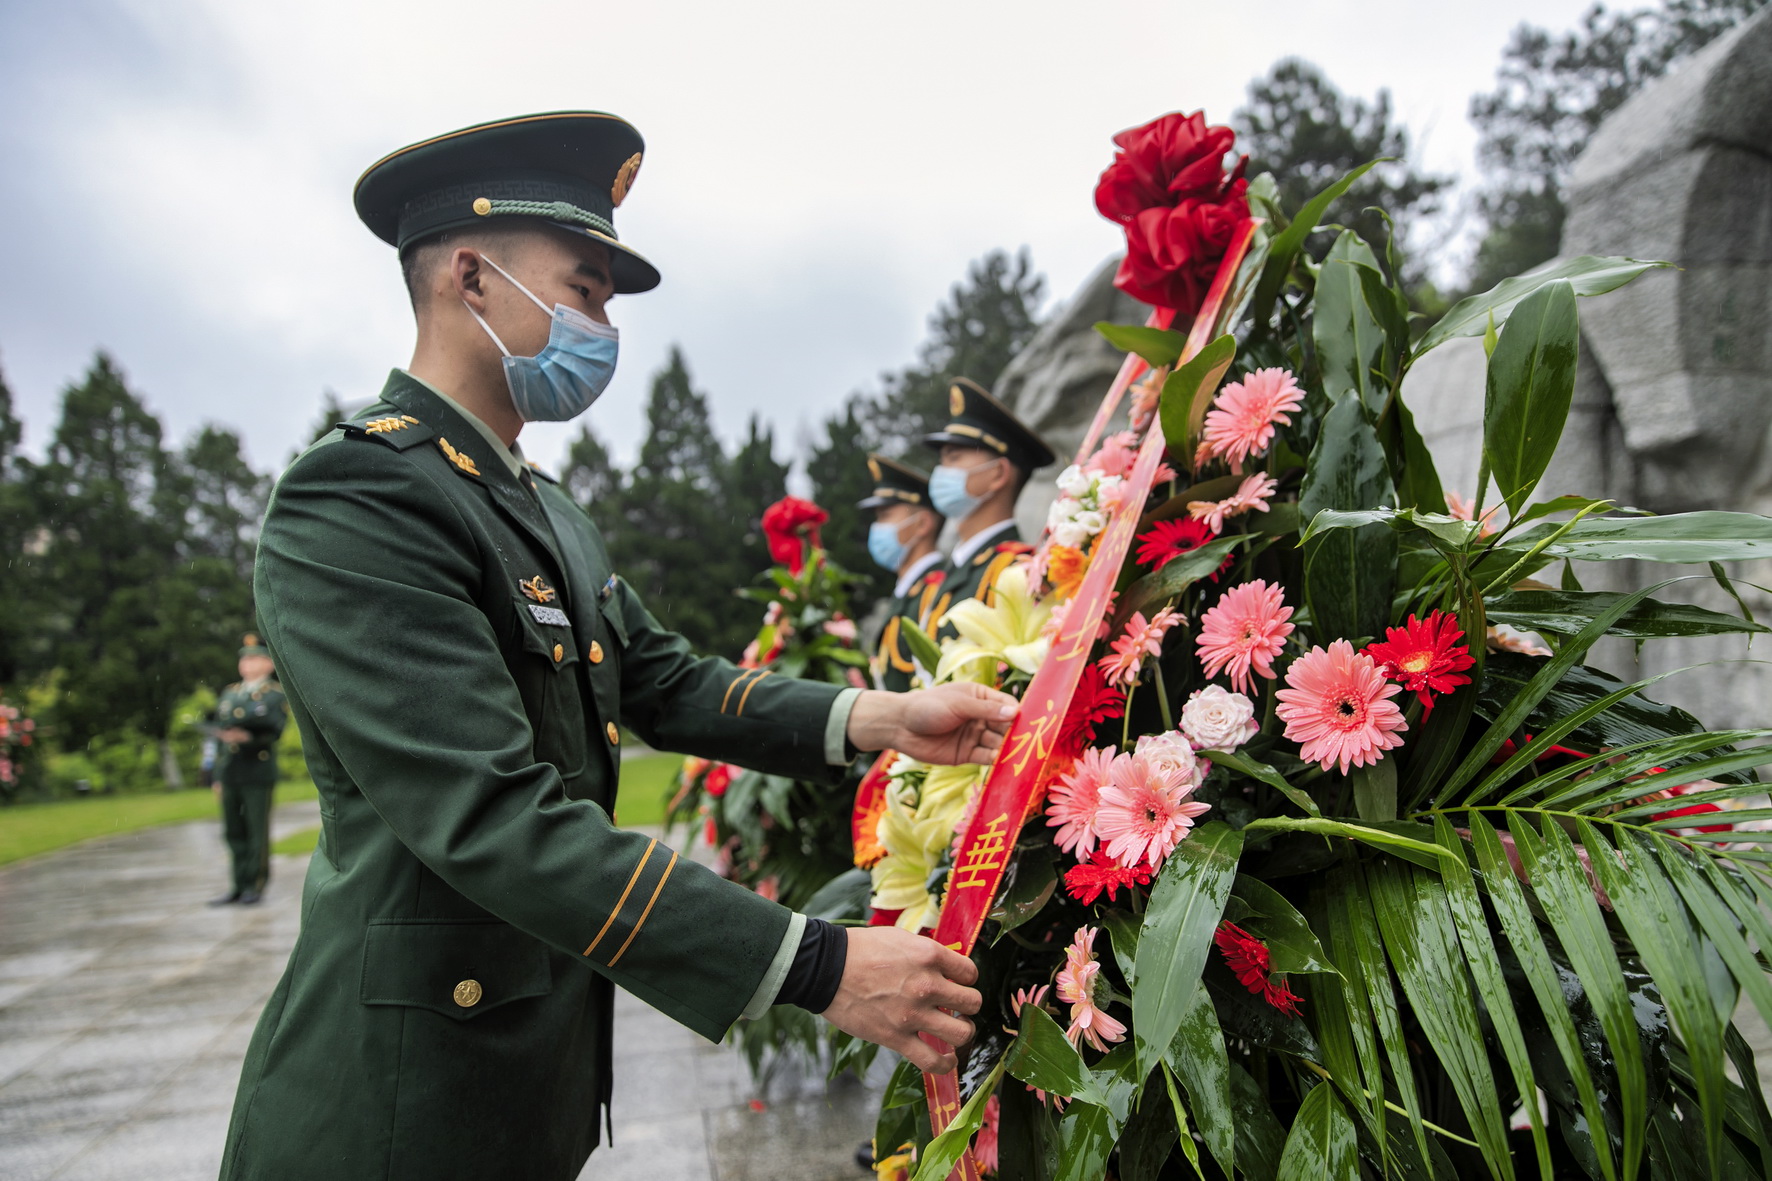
537	590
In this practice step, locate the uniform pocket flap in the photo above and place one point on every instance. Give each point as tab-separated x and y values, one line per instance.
547	632
457	969
611	608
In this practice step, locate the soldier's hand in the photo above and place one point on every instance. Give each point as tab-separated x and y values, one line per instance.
957	723
897	985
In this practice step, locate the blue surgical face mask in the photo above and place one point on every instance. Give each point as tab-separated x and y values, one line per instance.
884	545
947	491
561	381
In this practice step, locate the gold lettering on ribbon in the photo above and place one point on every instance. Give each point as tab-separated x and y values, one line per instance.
983	856
1035	740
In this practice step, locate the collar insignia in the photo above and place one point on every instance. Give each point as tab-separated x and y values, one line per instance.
537	589
464	462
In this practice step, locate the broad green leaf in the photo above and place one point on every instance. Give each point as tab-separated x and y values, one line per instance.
1347	335
1587	275
1390	307
1086	1140
1032	881
843	897
1449	534
1530	384
1478	941
1244	765
1567	612
1292	945
1416	921
1186	902
1123	928
1042	1057
944	1151
1197	1056
1177	575
1658	925
923	649
1567	897
1320	1146
1678	537
1375	790
1260	1137
1287	245
1189	391
1349	573
1158	346
1560	504
1150	1135
1509	900
1419	485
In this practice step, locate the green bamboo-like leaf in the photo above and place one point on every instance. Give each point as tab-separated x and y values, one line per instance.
1185	1139
1632	783
1346	333
1286	246
1321	1143
1370	834
1716	913
1531	382
1359	953
1197	1056
1663	935
1416	921
1345	1036
1292	945
1553	670
1189	391
1757	1119
1509	900
1567	612
1260	1136
1375	791
1588	275
1349	573
944	1151
1567	897
1558	504
1244	765
1478	942
1186	903
1708	536
1158	346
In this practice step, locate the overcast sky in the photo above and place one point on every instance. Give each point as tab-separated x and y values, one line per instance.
177	173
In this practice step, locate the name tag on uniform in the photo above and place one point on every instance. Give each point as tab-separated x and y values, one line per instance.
552	616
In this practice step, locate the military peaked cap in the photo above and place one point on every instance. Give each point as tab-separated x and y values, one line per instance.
979	420
895	483
568	168
251	645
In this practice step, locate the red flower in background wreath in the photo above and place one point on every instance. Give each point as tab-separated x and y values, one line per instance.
791	526
1180	207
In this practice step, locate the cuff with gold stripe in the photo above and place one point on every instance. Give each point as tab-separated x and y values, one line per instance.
634	907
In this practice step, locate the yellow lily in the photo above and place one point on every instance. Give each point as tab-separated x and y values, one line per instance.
1007	631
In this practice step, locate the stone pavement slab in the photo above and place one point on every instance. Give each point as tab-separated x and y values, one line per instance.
126	1006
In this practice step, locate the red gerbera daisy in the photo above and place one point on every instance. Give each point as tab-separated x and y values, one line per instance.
1086	882
1095	702
1168	540
1247	957
1427	656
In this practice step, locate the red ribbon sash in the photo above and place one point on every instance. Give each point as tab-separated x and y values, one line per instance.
1009	789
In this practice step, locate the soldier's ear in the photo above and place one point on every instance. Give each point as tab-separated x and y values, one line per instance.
467	275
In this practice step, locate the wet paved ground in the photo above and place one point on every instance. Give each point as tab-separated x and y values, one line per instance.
126	1005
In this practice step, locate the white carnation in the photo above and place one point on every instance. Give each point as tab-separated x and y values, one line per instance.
1214	718
1069	534
1062	510
1090	521
1074	482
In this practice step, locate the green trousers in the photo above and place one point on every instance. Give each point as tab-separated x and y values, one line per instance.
246	826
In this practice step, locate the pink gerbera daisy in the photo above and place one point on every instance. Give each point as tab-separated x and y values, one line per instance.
1080	985
1251	496
1117	455
1143	812
1075	799
1243	415
1245	630
1337	706
1140	639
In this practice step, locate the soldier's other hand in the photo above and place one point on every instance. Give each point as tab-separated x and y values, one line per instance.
897	985
949	724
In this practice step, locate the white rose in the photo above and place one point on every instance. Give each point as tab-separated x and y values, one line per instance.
1214	718
1069	534
1170	755
1090	521
1073	481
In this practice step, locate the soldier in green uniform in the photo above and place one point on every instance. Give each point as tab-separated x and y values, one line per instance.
462	661
248	720
902	539
987	456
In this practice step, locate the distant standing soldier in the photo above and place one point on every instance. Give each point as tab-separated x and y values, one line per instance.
250	716
902	539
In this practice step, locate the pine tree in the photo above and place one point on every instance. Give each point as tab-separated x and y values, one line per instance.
20	628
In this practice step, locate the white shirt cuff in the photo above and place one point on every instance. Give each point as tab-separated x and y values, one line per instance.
836	727
777	974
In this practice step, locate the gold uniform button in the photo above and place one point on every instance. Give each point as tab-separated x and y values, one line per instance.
614	734
559	653
468	993
596	653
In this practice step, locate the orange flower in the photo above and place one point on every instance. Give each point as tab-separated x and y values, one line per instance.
1065	570
868	848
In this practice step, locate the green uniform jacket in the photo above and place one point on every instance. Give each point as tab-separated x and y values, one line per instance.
262	714
458	655
974	577
925	601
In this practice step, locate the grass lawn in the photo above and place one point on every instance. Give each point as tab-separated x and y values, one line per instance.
29	829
